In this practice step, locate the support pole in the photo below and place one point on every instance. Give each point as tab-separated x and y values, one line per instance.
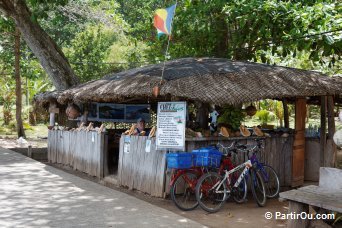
52	114
298	156
29	151
323	129
286	113
331	151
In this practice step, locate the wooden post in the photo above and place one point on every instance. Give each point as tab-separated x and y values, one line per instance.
286	113
53	110
29	151
202	115
298	158
330	151
297	208
323	129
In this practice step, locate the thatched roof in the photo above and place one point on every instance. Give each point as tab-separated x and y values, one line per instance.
210	80
44	98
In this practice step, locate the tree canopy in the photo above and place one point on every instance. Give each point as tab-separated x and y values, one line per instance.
98	37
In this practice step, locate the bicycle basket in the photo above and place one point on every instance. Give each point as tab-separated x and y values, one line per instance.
180	160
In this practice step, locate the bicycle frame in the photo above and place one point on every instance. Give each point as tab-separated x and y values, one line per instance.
177	172
247	166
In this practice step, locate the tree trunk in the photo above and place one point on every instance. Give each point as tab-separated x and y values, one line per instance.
46	50
18	101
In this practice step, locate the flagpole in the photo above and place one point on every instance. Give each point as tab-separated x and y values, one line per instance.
167	48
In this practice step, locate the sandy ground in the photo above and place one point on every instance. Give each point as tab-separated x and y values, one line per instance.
231	215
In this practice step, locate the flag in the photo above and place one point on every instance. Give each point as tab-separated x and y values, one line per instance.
163	20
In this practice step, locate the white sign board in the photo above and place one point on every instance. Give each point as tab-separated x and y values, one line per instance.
171	118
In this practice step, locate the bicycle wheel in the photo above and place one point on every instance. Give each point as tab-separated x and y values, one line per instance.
183	191
258	187
209	198
240	193
271	181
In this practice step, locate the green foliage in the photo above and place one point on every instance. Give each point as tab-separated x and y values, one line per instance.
263	115
41	8
268	31
89	50
27	126
8	99
231	116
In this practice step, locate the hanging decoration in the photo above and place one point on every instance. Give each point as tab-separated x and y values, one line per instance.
251	110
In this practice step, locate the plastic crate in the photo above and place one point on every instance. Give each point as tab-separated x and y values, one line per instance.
207	157
181	160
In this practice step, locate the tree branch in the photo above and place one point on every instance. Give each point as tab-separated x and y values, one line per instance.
7	7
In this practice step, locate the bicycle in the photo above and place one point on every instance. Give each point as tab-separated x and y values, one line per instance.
240	195
183	183
182	187
212	190
269	175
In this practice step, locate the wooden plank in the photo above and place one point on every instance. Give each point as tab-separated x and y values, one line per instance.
297	208
288	156
315	196
331	150
312	161
137	165
286	113
103	155
298	158
120	165
49	145
323	128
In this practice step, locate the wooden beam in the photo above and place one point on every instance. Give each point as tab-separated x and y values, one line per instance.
298	158
331	151
202	115
323	129
286	113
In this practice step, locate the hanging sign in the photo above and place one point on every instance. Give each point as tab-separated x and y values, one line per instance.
148	145
171	118
127	144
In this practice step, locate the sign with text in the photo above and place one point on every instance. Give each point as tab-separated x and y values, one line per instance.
171	119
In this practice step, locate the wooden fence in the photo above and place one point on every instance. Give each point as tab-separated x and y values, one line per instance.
144	171
277	152
83	151
147	172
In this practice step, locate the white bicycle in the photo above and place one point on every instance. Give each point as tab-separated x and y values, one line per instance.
212	189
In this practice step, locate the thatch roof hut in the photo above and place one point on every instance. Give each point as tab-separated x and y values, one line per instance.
209	80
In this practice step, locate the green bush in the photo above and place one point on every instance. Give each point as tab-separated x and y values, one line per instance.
27	126
231	116
264	116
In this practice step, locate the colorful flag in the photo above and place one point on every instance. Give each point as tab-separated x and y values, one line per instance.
163	20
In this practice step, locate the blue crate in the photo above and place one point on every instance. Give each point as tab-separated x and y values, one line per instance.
207	157
180	160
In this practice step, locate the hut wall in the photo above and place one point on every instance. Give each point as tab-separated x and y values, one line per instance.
147	172
144	171
277	153
81	150
312	159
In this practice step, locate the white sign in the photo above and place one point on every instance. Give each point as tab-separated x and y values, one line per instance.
127	144
171	118
148	146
